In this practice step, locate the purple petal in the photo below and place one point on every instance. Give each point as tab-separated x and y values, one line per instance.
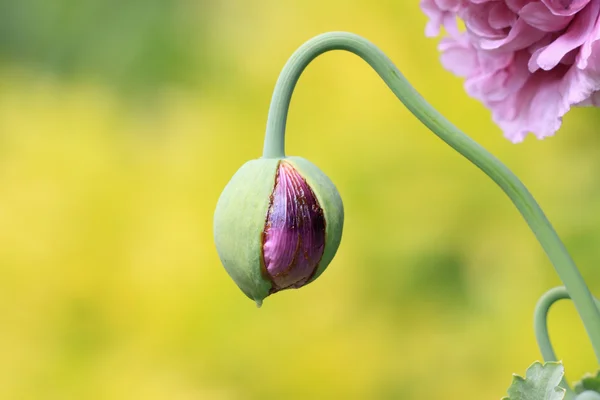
294	235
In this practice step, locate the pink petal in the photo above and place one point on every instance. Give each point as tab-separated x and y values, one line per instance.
565	7
540	17
575	36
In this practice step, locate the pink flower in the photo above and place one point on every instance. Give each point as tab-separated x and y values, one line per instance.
528	61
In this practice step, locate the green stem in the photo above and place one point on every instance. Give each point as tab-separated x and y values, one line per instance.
540	324
510	184
540	318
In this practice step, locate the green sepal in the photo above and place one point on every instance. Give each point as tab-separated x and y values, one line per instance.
239	222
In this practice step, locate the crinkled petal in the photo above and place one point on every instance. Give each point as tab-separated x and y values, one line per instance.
540	17
294	235
576	34
528	61
566	7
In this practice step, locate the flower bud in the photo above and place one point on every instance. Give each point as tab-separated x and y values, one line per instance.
277	225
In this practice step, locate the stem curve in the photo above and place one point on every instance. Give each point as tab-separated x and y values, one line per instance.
540	320
540	324
441	127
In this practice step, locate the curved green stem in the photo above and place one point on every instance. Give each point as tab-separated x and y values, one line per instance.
540	320
510	184
540	323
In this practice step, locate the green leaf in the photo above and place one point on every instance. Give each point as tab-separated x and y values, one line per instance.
588	382
540	383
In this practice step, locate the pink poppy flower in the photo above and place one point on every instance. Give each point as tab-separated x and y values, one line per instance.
528	61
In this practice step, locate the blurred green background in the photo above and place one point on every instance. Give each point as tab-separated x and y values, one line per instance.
121	122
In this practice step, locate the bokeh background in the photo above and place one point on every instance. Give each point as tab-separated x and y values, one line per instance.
121	122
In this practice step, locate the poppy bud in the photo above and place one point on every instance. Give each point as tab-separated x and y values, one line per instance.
277	225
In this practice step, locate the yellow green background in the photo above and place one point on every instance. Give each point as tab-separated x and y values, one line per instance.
120	124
